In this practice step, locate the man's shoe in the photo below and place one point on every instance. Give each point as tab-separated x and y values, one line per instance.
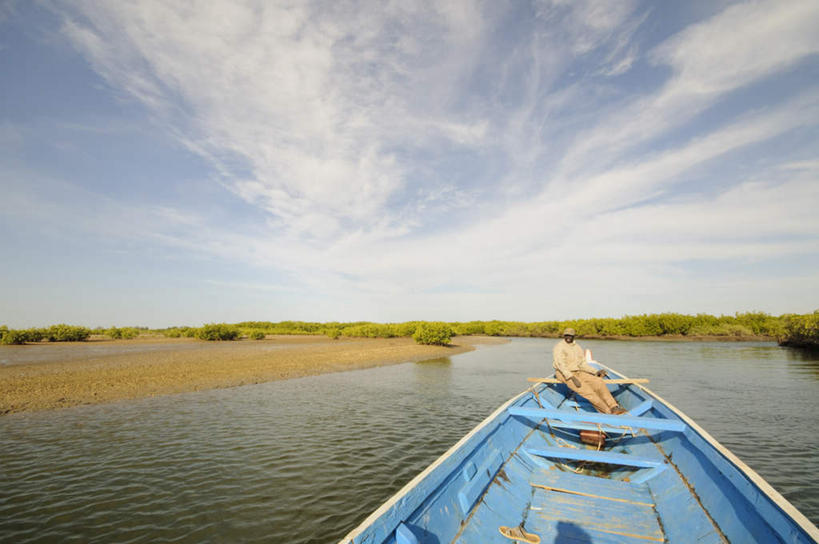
519	535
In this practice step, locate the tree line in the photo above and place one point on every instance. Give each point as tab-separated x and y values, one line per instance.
788	329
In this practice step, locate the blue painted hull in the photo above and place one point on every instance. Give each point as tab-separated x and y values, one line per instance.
658	478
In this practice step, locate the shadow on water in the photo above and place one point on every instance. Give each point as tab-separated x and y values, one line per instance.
802	361
801	354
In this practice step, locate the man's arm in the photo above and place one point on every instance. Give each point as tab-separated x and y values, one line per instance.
586	367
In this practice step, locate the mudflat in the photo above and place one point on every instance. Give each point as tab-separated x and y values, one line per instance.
52	376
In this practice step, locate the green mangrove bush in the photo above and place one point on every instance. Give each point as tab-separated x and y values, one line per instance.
218	331
122	333
800	330
433	333
67	333
12	337
179	332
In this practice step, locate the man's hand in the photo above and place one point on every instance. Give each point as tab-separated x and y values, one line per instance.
601	373
575	381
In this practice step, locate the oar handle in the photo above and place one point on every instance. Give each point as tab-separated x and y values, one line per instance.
615	381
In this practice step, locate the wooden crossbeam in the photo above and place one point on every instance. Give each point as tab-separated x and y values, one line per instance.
641	408
652	423
613	381
594	456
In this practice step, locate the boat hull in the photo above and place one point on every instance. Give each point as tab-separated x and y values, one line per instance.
658	477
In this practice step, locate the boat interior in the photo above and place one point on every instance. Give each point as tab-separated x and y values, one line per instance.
549	468
619	489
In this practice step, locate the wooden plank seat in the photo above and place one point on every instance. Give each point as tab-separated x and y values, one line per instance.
565	517
612	432
592	486
568	507
569	417
593	456
641	408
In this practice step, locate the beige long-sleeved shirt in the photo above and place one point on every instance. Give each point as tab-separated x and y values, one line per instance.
570	358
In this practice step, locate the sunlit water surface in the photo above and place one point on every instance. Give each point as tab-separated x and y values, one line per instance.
306	460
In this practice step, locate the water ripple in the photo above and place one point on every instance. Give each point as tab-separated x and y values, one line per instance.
304	461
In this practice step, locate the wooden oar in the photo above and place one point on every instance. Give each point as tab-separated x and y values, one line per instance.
615	381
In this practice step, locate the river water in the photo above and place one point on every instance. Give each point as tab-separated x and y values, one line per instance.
305	460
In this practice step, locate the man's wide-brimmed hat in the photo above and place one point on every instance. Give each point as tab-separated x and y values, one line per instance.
569	332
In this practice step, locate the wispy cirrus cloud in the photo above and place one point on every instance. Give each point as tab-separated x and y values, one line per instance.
317	103
708	60
393	151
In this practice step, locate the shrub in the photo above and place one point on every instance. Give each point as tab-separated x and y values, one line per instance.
674	323
125	333
34	335
177	332
217	331
257	335
471	327
17	337
405	329
801	330
371	330
735	329
433	333
333	333
720	329
67	333
11	337
493	328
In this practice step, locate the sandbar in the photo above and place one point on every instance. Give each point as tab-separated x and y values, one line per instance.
74	374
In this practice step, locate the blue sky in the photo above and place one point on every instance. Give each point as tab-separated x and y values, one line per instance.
169	163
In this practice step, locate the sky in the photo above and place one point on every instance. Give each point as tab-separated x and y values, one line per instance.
181	162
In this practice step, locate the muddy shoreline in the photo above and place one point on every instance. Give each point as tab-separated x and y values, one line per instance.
54	376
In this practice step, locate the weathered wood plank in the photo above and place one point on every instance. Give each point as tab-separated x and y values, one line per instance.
592	485
590	495
577	454
594	517
642	408
651	423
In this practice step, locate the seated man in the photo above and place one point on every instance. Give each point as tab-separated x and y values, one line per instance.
572	369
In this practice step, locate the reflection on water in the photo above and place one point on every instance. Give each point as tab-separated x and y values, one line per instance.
305	460
435	373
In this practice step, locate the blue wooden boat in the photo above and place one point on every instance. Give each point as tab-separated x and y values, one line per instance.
525	475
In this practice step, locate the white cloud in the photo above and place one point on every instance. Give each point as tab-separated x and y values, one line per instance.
743	44
331	120
738	46
314	99
589	23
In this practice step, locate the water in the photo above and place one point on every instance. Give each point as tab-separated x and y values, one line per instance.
306	460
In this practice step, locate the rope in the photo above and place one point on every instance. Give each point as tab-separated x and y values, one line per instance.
537	397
